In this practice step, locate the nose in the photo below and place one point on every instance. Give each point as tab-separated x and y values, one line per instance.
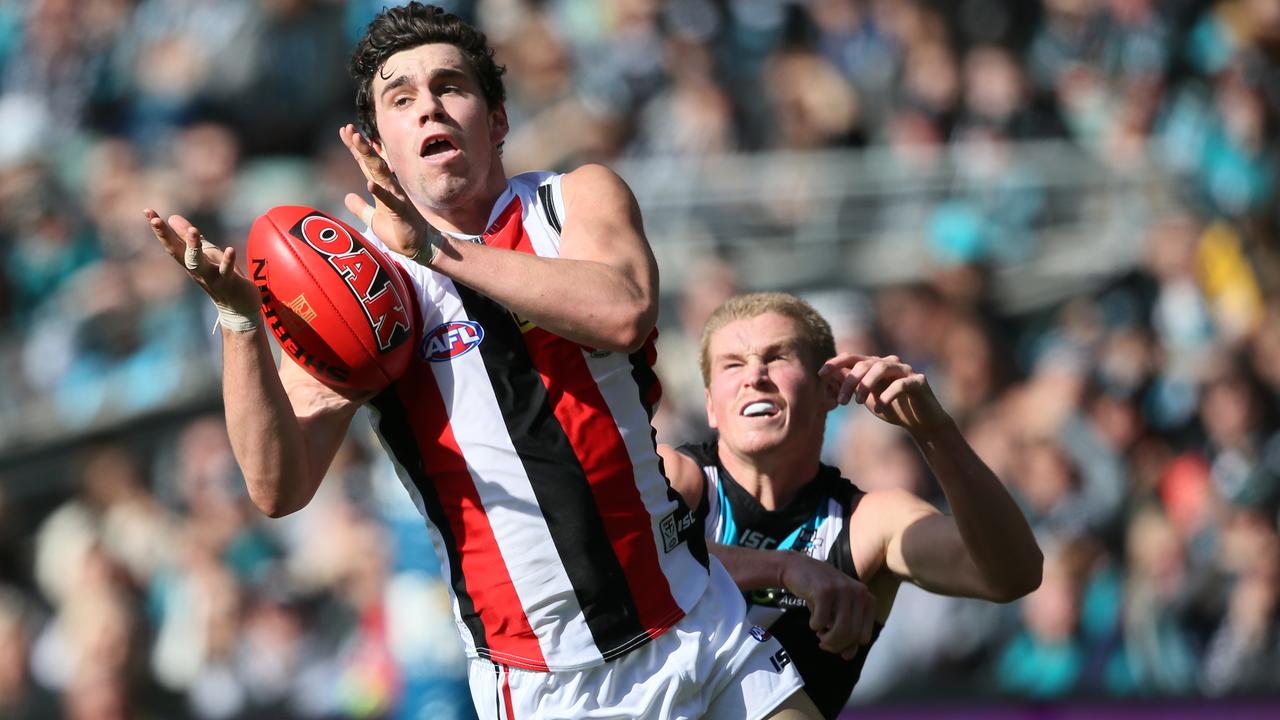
430	109
757	373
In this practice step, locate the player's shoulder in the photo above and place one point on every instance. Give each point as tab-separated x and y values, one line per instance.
702	454
595	181
534	179
592	171
891	508
836	484
585	176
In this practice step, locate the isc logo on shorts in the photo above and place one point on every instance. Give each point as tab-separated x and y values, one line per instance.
759	633
449	340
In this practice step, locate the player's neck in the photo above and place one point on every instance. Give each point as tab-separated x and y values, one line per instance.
773	478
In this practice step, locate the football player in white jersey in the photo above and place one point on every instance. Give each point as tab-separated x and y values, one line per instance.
431	122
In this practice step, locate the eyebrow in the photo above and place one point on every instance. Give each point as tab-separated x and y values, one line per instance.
403	79
399	81
448	73
782	346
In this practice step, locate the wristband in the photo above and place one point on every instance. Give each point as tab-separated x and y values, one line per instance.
228	317
234	320
424	254
429	249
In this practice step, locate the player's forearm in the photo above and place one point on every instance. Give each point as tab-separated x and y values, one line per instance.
752	569
994	530
589	303
265	434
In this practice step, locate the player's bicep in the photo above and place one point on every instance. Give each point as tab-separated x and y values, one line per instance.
602	224
929	551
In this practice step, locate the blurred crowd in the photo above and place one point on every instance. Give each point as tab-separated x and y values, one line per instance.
158	590
1137	423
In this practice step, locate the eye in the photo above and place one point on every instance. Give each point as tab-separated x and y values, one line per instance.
449	89
402	101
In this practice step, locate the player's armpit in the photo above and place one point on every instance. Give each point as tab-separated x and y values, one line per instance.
684	475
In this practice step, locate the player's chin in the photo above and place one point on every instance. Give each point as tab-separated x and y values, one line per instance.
755	441
446	190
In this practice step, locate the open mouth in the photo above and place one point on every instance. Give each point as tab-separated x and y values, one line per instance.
436	145
760	408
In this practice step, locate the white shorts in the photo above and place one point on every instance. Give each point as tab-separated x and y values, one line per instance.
711	664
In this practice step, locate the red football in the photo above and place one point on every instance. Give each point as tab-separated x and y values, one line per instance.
336	303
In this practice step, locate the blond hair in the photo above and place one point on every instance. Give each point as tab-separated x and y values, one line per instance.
814	333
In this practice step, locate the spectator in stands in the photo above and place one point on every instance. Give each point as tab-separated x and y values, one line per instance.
1138	420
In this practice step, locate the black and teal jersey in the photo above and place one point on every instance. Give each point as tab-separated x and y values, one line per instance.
815	522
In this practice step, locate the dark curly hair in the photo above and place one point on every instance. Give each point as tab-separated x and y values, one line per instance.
403	28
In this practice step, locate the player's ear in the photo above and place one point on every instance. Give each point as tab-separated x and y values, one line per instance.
376	144
498	127
830	390
711	411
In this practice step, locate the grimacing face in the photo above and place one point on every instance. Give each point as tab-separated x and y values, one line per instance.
436	131
761	395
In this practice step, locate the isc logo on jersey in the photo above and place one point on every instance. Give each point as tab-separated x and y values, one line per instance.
364	277
449	340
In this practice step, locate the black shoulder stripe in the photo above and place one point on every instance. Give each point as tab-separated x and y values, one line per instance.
549	206
841	554
705	454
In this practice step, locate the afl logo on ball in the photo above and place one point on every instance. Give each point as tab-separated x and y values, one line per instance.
451	339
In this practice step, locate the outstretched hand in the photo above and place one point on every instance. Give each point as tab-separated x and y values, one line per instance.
842	610
393	216
889	388
213	268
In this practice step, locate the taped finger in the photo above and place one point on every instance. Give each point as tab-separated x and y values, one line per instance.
191	258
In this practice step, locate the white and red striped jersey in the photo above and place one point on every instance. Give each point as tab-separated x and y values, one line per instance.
533	460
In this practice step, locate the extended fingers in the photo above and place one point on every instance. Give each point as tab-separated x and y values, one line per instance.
371	164
193	254
228	264
172	243
390	198
199	255
359	207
